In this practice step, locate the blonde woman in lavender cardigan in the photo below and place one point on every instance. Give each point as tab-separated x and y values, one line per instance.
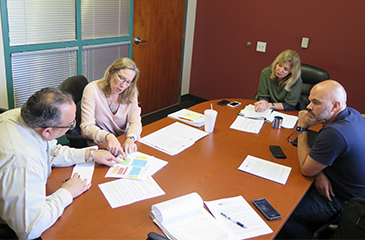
110	108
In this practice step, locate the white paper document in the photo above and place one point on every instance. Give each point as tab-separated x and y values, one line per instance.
185	218
247	124
249	112
85	170
289	121
190	117
265	169
174	138
238	209
122	192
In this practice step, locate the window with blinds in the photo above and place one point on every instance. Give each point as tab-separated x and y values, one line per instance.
104	19
45	44
97	58
33	71
41	21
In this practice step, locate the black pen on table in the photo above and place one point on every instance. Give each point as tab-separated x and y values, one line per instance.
232	220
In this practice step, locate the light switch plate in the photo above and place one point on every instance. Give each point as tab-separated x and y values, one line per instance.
305	42
261	46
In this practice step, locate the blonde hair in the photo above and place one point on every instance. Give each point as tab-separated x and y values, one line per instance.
130	92
293	58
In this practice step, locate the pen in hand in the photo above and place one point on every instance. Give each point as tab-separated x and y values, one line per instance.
232	220
63	181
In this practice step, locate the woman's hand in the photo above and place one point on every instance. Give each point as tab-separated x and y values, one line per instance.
114	146
262	105
129	147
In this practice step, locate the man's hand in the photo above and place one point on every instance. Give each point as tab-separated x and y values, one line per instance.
323	186
303	119
105	157
76	186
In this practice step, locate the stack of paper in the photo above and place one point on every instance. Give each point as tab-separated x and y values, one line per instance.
174	138
185	218
249	112
187	116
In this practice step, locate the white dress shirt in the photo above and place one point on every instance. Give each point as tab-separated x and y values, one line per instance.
26	162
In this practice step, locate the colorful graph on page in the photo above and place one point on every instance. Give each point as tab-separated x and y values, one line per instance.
134	167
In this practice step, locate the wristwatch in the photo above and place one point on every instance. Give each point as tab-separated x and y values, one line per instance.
132	137
91	154
301	129
273	106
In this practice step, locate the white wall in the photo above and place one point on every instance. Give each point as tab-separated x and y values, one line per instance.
3	88
188	51
188	48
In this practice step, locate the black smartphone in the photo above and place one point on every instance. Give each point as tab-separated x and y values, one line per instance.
223	102
277	151
269	212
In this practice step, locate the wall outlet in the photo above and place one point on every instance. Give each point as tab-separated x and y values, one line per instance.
261	46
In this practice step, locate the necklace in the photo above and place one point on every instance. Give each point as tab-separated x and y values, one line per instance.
112	105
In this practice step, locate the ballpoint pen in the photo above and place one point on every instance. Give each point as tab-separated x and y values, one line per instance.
232	220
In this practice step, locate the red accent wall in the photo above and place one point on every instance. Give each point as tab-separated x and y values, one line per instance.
224	67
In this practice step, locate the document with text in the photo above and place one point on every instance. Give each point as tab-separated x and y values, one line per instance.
265	169
243	221
122	192
247	124
173	138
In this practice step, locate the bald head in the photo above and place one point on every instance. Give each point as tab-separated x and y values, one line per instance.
331	91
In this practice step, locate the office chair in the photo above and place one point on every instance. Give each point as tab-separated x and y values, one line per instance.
311	75
75	86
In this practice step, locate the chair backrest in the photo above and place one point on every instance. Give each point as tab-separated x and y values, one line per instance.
74	85
311	75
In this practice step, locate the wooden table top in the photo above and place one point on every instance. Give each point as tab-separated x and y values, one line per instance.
209	167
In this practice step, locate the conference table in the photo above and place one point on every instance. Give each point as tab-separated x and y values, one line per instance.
209	167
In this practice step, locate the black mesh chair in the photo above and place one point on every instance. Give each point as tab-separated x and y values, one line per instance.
75	86
311	75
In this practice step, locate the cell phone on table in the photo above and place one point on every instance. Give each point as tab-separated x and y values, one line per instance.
224	102
269	212
277	152
234	104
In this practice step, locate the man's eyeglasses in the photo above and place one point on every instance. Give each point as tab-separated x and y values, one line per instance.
70	127
123	80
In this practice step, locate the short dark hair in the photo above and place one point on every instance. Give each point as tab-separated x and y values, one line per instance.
42	109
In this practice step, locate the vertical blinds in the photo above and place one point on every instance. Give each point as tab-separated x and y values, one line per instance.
104	19
41	21
33	71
